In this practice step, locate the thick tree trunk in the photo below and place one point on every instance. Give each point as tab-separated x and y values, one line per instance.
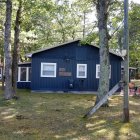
102	13
7	51
16	48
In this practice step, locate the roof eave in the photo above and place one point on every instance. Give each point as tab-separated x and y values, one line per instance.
29	55
48	48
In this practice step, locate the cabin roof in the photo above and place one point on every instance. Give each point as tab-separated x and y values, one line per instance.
58	45
24	63
132	68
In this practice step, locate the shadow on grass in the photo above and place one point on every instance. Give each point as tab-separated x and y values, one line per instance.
60	116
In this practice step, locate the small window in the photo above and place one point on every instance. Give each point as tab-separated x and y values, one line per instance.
48	69
98	71
23	74
81	70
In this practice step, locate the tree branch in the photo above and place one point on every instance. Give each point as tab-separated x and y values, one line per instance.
110	36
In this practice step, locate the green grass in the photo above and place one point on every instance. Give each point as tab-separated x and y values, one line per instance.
60	116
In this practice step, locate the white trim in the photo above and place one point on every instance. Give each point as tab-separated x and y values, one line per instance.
19	71
63	44
51	47
27	74
53	64
23	81
85	66
110	72
21	63
98	71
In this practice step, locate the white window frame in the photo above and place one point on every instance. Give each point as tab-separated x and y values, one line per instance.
42	64
27	74
78	76
98	71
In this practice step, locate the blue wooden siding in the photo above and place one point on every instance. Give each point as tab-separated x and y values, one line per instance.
24	85
115	70
67	57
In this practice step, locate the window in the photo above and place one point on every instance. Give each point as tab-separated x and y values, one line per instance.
48	69
98	71
81	70
24	74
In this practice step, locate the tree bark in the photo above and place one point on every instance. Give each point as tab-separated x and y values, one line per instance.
16	48
102	14
126	65
7	51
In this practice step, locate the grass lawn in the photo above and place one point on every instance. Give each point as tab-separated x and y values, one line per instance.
59	116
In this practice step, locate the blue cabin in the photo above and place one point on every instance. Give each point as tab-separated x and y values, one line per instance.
67	67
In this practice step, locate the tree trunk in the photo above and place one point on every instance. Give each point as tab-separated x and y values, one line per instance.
3	77
16	48
102	13
7	51
126	65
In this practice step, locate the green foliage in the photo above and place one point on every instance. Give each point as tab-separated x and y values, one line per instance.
91	38
44	23
134	34
2	21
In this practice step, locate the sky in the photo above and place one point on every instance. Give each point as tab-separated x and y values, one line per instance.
137	1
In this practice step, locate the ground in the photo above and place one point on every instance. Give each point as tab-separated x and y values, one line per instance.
37	116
